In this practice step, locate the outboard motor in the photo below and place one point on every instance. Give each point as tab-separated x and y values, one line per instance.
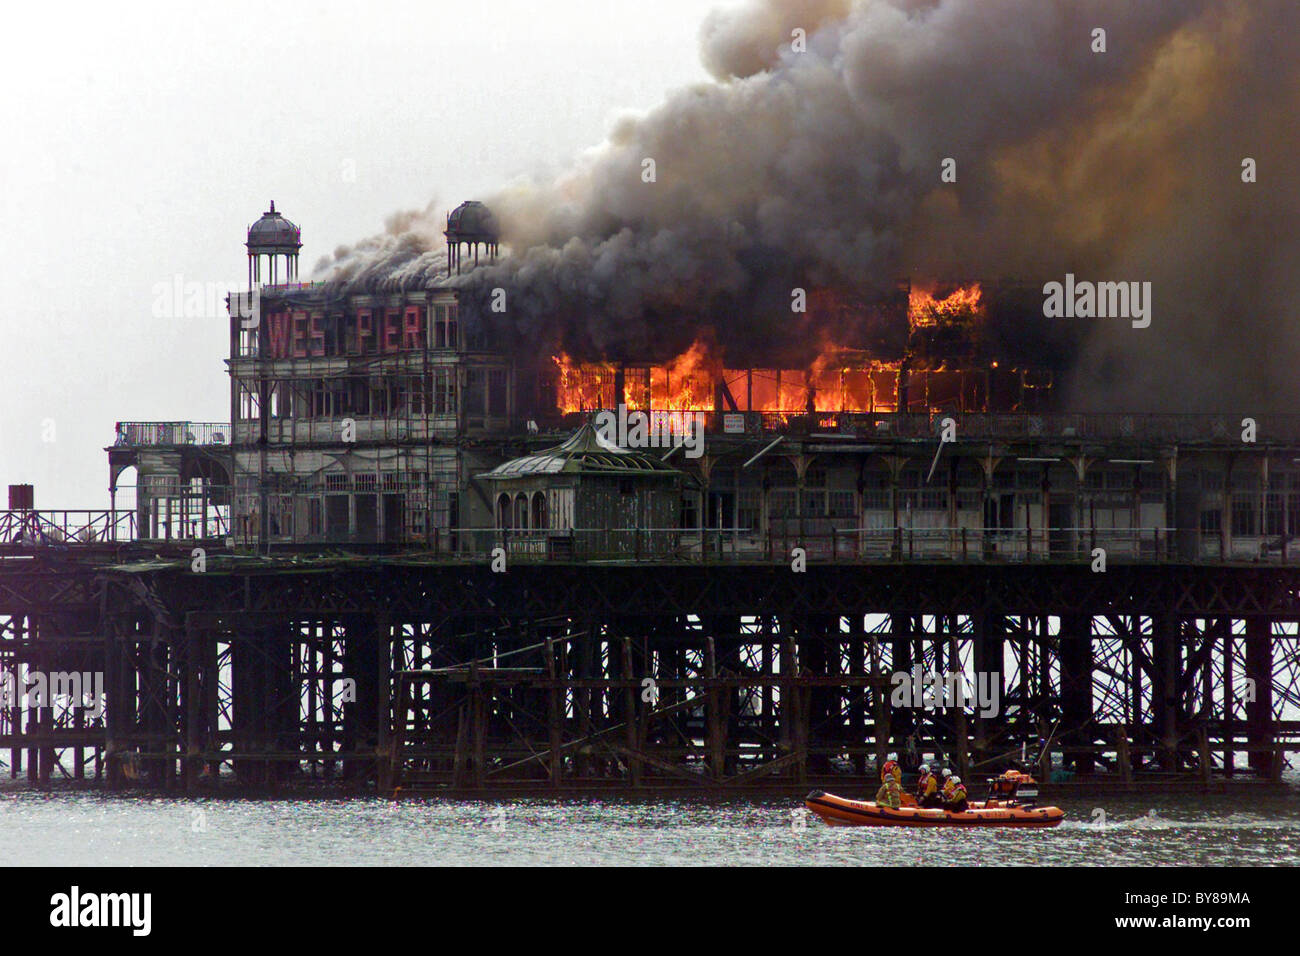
1014	787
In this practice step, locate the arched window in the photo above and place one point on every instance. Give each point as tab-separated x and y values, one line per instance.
539	521
521	510
504	514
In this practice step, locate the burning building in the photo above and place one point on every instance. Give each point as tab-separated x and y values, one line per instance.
394	407
927	354
357	417
391	416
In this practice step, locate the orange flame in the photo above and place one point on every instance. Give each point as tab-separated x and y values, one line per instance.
582	386
923	308
838	380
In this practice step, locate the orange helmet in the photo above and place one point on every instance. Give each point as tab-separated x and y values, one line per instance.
890	769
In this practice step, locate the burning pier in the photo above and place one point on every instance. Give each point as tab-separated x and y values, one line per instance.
411	561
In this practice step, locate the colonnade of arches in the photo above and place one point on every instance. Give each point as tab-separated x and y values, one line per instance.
522	511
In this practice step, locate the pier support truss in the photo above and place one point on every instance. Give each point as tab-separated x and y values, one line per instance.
410	676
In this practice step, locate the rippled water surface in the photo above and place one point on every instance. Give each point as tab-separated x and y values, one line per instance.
87	828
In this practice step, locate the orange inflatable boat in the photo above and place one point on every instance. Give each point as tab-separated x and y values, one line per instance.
842	812
994	812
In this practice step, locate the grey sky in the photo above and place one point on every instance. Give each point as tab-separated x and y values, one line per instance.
142	142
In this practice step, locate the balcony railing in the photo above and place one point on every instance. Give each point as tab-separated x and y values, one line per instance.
861	545
677	545
859	426
851	545
278	287
866	426
836	546
75	527
148	434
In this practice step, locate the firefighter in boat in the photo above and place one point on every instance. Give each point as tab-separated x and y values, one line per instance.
954	795
890	793
927	788
891	769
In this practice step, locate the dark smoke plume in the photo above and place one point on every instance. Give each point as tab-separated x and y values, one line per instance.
821	169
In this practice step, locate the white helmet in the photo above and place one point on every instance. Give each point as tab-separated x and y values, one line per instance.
924	768
956	781
945	772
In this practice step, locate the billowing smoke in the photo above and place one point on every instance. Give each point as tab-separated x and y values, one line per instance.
407	253
814	160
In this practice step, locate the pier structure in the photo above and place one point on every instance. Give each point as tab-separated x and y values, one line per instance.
430	671
413	560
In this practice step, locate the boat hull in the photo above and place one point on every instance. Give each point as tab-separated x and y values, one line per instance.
842	812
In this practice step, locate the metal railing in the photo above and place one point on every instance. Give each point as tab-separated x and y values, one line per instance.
839	545
981	544
87	526
144	434
862	426
64	528
1007	426
292	286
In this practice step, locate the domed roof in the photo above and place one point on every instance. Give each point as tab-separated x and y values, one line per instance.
273	231
585	452
470	221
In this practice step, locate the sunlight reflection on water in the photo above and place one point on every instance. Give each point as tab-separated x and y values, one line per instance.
91	829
